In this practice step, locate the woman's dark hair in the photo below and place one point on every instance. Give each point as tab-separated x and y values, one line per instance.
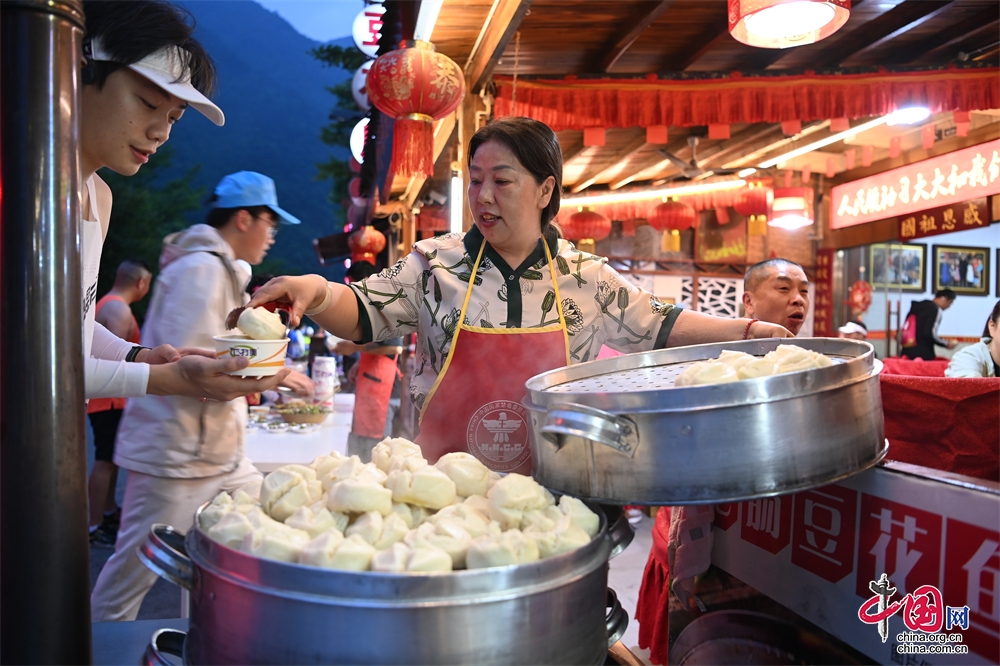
535	146
995	318
219	217
130	31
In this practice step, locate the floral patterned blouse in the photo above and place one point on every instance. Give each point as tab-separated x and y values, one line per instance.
425	290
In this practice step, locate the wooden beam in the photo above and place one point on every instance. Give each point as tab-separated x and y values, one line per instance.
620	43
949	36
838	48
590	176
698	47
897	33
502	22
443	130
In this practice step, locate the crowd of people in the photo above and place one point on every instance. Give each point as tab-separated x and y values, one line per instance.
164	408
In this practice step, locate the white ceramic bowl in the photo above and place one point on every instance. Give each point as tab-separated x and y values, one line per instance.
267	357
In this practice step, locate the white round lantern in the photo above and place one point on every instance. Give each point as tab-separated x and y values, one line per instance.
358	135
367	29
358	86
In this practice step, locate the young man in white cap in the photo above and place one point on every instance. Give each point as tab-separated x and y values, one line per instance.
179	451
142	69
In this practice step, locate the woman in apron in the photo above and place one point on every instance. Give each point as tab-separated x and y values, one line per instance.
501	303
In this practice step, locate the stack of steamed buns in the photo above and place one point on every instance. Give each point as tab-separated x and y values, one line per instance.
732	366
399	514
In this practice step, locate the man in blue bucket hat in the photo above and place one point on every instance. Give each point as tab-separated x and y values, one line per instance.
181	452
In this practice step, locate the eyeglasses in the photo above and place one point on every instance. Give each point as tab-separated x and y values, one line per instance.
272	229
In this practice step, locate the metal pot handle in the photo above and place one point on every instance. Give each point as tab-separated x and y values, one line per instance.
620	531
164	553
565	419
164	641
617	618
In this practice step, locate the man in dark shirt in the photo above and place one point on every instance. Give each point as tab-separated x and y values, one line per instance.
927	318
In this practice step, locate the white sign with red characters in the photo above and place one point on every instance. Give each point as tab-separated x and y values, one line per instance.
900	565
960	176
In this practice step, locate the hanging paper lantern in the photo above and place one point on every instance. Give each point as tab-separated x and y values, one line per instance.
792	208
755	204
860	296
415	85
586	228
365	244
672	217
358	87
779	24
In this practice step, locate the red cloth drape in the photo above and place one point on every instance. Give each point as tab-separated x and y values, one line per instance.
914	368
573	103
944	423
651	608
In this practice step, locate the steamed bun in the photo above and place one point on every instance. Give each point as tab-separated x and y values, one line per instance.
471	476
359	495
392	559
580	514
497	550
562	538
394	447
330	550
512	496
260	324
314	520
219	507
287	488
283	545
231	529
428	487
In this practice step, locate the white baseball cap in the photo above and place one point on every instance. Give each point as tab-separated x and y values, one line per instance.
851	327
168	69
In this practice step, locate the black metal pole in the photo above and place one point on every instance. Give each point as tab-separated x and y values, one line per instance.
44	550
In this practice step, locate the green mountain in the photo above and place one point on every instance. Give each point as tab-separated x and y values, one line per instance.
275	99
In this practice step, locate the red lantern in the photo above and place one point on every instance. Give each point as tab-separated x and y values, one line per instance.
755	204
415	85
860	296
672	217
586	228
365	244
779	24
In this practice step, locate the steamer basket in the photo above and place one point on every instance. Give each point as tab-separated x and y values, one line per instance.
617	430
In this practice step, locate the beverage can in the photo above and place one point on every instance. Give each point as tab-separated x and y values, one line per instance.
325	382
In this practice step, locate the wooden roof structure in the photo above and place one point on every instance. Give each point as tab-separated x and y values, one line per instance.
554	39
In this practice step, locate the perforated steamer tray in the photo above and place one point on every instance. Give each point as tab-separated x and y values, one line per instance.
619	430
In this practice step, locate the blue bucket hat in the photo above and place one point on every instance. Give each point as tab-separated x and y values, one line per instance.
249	188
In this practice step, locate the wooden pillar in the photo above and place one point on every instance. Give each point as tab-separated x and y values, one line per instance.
471	116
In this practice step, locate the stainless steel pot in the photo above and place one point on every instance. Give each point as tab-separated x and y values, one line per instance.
617	430
246	610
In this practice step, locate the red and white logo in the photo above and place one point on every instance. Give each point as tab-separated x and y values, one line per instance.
767	523
498	435
972	579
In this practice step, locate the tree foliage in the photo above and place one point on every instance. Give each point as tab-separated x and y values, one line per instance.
338	131
145	210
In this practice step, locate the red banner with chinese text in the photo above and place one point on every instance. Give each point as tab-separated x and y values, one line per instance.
945	219
823	308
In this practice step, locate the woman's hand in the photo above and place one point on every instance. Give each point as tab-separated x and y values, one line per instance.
762	329
198	377
158	355
299	383
302	292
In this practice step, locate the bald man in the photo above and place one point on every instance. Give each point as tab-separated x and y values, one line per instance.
777	291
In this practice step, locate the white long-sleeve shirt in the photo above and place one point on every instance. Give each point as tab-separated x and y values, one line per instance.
106	373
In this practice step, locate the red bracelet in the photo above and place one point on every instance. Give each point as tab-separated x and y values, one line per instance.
746	331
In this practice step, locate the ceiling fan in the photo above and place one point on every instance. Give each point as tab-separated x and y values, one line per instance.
691	170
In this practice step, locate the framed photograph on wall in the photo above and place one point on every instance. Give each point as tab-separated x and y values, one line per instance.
898	266
964	270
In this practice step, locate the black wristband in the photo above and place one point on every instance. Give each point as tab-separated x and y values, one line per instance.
130	357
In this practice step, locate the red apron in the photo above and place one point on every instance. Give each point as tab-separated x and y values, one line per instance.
376	375
475	404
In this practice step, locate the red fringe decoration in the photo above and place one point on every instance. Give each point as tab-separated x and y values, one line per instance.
639	210
580	103
413	147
